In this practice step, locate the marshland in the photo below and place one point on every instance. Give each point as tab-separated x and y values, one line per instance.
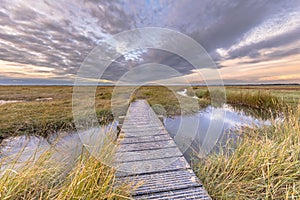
213	85
256	157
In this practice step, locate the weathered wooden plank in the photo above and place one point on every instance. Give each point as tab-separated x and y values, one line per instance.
152	166
143	139
162	182
144	133
147	146
188	193
140	125
148	154
153	123
134	129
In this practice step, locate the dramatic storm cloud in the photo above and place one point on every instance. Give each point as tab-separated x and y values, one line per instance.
46	41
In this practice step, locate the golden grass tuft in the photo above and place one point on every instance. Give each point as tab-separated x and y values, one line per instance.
44	177
263	164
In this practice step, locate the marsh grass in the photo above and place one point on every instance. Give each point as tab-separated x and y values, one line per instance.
44	177
47	117
287	93
169	101
255	99
264	163
33	180
91	179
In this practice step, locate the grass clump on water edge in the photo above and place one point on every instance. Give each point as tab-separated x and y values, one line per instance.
91	179
256	99
43	177
263	164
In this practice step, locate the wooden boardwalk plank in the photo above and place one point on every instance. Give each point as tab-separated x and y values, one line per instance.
147	145
140	133
148	155
143	139
151	166
163	182
188	193
135	129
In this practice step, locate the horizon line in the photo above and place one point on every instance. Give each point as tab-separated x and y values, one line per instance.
227	84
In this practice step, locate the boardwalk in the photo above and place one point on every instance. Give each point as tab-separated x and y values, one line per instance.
148	155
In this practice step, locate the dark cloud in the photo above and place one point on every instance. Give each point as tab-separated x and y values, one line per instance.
273	55
252	50
284	53
60	34
233	22
121	66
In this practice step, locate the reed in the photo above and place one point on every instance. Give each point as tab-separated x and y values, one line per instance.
256	99
46	177
263	163
32	116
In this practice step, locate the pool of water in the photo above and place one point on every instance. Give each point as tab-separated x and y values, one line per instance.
184	93
2	102
202	131
197	132
66	147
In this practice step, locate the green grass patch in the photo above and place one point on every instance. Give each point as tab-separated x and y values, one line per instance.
169	100
48	116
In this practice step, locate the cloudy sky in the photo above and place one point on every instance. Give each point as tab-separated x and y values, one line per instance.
46	41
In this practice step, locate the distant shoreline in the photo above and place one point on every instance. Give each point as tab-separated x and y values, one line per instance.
111	85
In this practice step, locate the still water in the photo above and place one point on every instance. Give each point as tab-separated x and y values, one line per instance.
210	126
191	132
65	147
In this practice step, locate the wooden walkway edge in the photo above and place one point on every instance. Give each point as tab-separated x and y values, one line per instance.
148	155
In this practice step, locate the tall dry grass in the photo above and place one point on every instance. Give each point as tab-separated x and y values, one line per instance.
259	99
44	177
256	99
263	164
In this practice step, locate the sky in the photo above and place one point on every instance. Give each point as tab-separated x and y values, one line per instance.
46	41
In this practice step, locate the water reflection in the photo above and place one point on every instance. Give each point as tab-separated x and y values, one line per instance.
66	147
233	121
184	94
2	102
